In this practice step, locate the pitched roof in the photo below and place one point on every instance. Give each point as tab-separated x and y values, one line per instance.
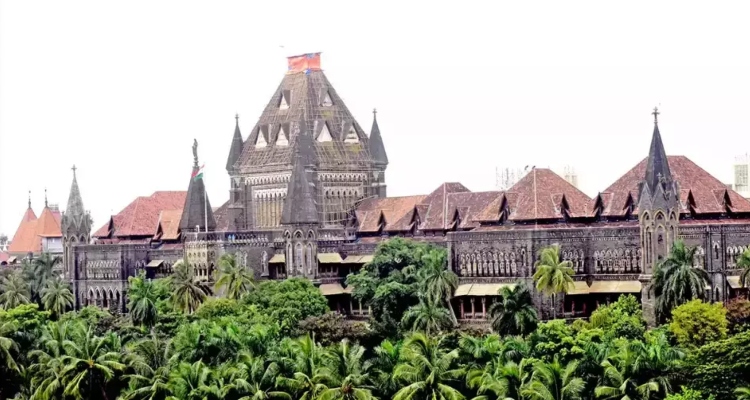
395	212
699	190
31	230
542	194
169	224
657	166
221	215
141	216
304	93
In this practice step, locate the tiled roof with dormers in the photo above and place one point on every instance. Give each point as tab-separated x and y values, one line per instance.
700	192
542	195
140	217
396	213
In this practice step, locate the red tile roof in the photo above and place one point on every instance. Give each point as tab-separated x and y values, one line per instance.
140	217
31	230
398	213
699	190
542	194
169	224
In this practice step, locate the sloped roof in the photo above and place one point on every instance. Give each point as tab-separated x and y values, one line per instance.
438	214
696	186
141	216
541	194
304	92
221	215
31	230
397	212
169	223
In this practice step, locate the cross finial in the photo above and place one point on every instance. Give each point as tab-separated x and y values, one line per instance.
374	111
656	115
237	117
74	171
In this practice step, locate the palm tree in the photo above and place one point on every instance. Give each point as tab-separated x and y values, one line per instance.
514	312
387	357
187	292
143	295
257	379
426	316
14	291
743	261
89	359
552	276
235	279
190	381
676	280
349	370
504	381
8	346
43	270
622	387
553	381
57	296
47	370
150	359
428	370
438	282
742	393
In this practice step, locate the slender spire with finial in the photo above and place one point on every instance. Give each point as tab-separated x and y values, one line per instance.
377	148
195	153
74	171
29	198
45	197
235	150
656	115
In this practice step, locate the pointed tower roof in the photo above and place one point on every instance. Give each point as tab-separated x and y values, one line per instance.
657	167
197	205
299	207
377	148
305	94
235	151
74	208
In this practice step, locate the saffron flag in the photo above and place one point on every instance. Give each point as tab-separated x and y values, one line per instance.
198	174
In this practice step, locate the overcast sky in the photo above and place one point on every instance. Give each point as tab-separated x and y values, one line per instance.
121	88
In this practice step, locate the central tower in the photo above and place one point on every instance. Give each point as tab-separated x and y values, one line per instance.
344	164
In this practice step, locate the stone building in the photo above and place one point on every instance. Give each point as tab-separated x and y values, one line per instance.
307	198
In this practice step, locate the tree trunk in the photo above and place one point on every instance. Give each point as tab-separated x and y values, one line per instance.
554	306
450	308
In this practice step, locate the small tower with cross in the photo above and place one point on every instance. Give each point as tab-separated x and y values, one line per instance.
76	229
658	215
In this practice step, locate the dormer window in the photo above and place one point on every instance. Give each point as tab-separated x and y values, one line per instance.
285	100
281	138
351	135
326	102
260	142
325	134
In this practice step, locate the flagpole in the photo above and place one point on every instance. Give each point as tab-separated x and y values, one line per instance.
205	208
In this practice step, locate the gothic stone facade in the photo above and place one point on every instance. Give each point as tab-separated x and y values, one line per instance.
308	199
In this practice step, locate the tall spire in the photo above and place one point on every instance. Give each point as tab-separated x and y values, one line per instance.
377	148
236	149
197	210
657	168
74	208
45	198
299	207
29	199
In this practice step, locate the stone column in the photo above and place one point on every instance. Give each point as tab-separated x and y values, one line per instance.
484	308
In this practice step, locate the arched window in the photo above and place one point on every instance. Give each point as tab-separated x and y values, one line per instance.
264	263
299	258
310	262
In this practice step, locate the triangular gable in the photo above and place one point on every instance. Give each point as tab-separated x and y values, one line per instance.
598	206
382	222
325	99
260	141
285	100
325	134
281	138
351	135
564	207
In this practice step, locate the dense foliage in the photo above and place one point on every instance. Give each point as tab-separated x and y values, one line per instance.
278	340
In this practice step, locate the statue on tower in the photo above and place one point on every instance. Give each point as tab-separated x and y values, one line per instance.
195	151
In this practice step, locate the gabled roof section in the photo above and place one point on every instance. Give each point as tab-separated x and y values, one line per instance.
168	227
305	86
696	189
28	236
397	212
235	151
139	218
539	195
439	212
23	239
48	224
